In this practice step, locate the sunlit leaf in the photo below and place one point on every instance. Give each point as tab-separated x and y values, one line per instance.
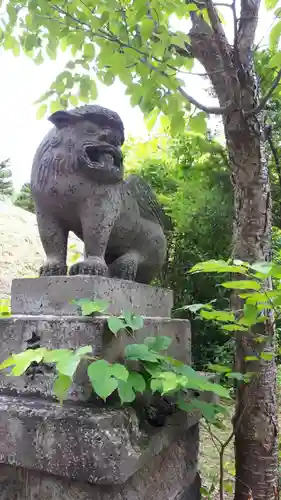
126	392
116	324
137	381
242	285
61	386
158	343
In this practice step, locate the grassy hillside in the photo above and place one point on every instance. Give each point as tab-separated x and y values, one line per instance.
21	252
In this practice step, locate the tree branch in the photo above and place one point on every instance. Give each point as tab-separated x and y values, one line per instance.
247	29
211	110
267	96
221	39
207	109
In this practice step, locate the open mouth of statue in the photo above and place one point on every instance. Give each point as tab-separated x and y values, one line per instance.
103	156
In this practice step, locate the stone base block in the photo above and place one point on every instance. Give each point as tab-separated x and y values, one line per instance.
169	475
18	333
53	295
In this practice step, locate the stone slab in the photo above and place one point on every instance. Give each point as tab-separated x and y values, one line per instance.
18	333
89	445
53	295
171	475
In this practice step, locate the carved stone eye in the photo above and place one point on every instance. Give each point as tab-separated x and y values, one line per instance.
90	129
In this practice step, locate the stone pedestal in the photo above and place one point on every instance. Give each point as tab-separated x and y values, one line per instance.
81	451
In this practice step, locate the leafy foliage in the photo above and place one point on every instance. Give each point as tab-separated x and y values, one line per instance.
110	37
24	199
159	372
5	308
190	176
6	184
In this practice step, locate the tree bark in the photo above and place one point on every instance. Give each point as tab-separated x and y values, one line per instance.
231	73
255	421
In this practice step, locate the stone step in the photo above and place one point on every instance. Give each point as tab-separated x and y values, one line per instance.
54	332
53	295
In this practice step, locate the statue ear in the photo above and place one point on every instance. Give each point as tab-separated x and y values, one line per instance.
61	119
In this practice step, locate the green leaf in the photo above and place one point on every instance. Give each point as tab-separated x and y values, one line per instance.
133	321
234	328
57	355
274	36
217	315
195	307
91	307
81	351
104	387
146	28
99	373
251	358
191	7
235	375
208	410
24	359
267	356
5	308
55	106
270	4
276	271
68	365
116	324
199	382
198	123
73	100
137	381
41	111
217	266
151	119
169	381
219	368
61	386
11	361
126	392
99	369
275	61
119	371
156	385
140	352
159	343
262	267
242	285
250	315
89	51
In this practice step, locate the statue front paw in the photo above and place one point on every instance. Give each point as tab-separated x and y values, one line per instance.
53	269
92	266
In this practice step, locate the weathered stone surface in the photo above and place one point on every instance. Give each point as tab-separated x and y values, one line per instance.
168	476
82	443
18	333
53	295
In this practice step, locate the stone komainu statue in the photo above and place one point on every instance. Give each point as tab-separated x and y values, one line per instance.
77	185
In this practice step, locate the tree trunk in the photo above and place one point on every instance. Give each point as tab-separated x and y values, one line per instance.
255	421
231	73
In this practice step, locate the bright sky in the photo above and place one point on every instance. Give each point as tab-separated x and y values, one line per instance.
22	82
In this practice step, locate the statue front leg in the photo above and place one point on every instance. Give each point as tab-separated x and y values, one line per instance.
97	218
54	240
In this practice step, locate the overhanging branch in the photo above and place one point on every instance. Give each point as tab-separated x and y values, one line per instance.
267	96
210	110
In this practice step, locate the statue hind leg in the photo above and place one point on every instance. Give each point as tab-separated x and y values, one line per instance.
126	266
54	240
